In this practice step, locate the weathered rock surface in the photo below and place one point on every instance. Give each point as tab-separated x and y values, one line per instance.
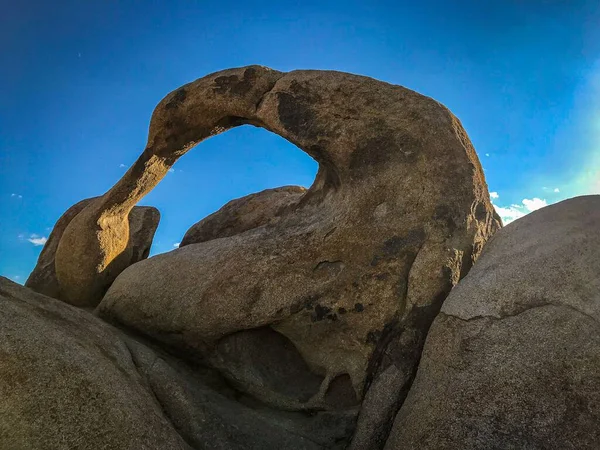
143	221
351	275
513	359
246	213
43	277
69	380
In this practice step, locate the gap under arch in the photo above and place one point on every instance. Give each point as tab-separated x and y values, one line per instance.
241	161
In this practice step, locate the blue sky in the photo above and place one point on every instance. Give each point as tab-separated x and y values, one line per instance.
79	81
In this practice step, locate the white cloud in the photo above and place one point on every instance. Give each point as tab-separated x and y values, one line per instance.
509	214
547	189
494	195
487	154
13	195
176	244
513	212
534	204
122	165
37	240
171	170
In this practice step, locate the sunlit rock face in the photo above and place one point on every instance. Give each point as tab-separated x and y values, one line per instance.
142	222
343	279
513	359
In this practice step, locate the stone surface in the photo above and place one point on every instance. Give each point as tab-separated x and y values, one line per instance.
246	213
43	277
69	380
143	221
352	274
513	359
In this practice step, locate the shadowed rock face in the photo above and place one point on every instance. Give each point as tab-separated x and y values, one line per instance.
349	274
513	359
69	380
143	221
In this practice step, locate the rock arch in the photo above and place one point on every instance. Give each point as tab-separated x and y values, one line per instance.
352	274
308	108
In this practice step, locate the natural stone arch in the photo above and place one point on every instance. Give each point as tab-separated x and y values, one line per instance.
351	276
227	99
99	234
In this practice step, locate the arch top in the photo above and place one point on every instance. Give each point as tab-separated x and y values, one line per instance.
353	126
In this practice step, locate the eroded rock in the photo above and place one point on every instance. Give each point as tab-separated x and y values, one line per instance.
143	221
513	359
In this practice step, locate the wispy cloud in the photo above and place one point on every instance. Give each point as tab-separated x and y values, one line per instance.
176	244
547	189
13	195
122	165
494	195
37	240
171	170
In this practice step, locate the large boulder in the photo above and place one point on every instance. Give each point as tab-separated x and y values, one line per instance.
69	380
143	221
351	273
246	213
513	359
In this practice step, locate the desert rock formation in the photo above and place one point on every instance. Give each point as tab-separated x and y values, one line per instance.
350	273
297	318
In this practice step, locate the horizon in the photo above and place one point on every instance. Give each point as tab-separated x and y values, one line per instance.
81	82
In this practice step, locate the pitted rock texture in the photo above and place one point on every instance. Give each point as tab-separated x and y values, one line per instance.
513	359
351	275
70	381
143	221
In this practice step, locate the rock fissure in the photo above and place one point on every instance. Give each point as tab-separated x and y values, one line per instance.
258	105
522	311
